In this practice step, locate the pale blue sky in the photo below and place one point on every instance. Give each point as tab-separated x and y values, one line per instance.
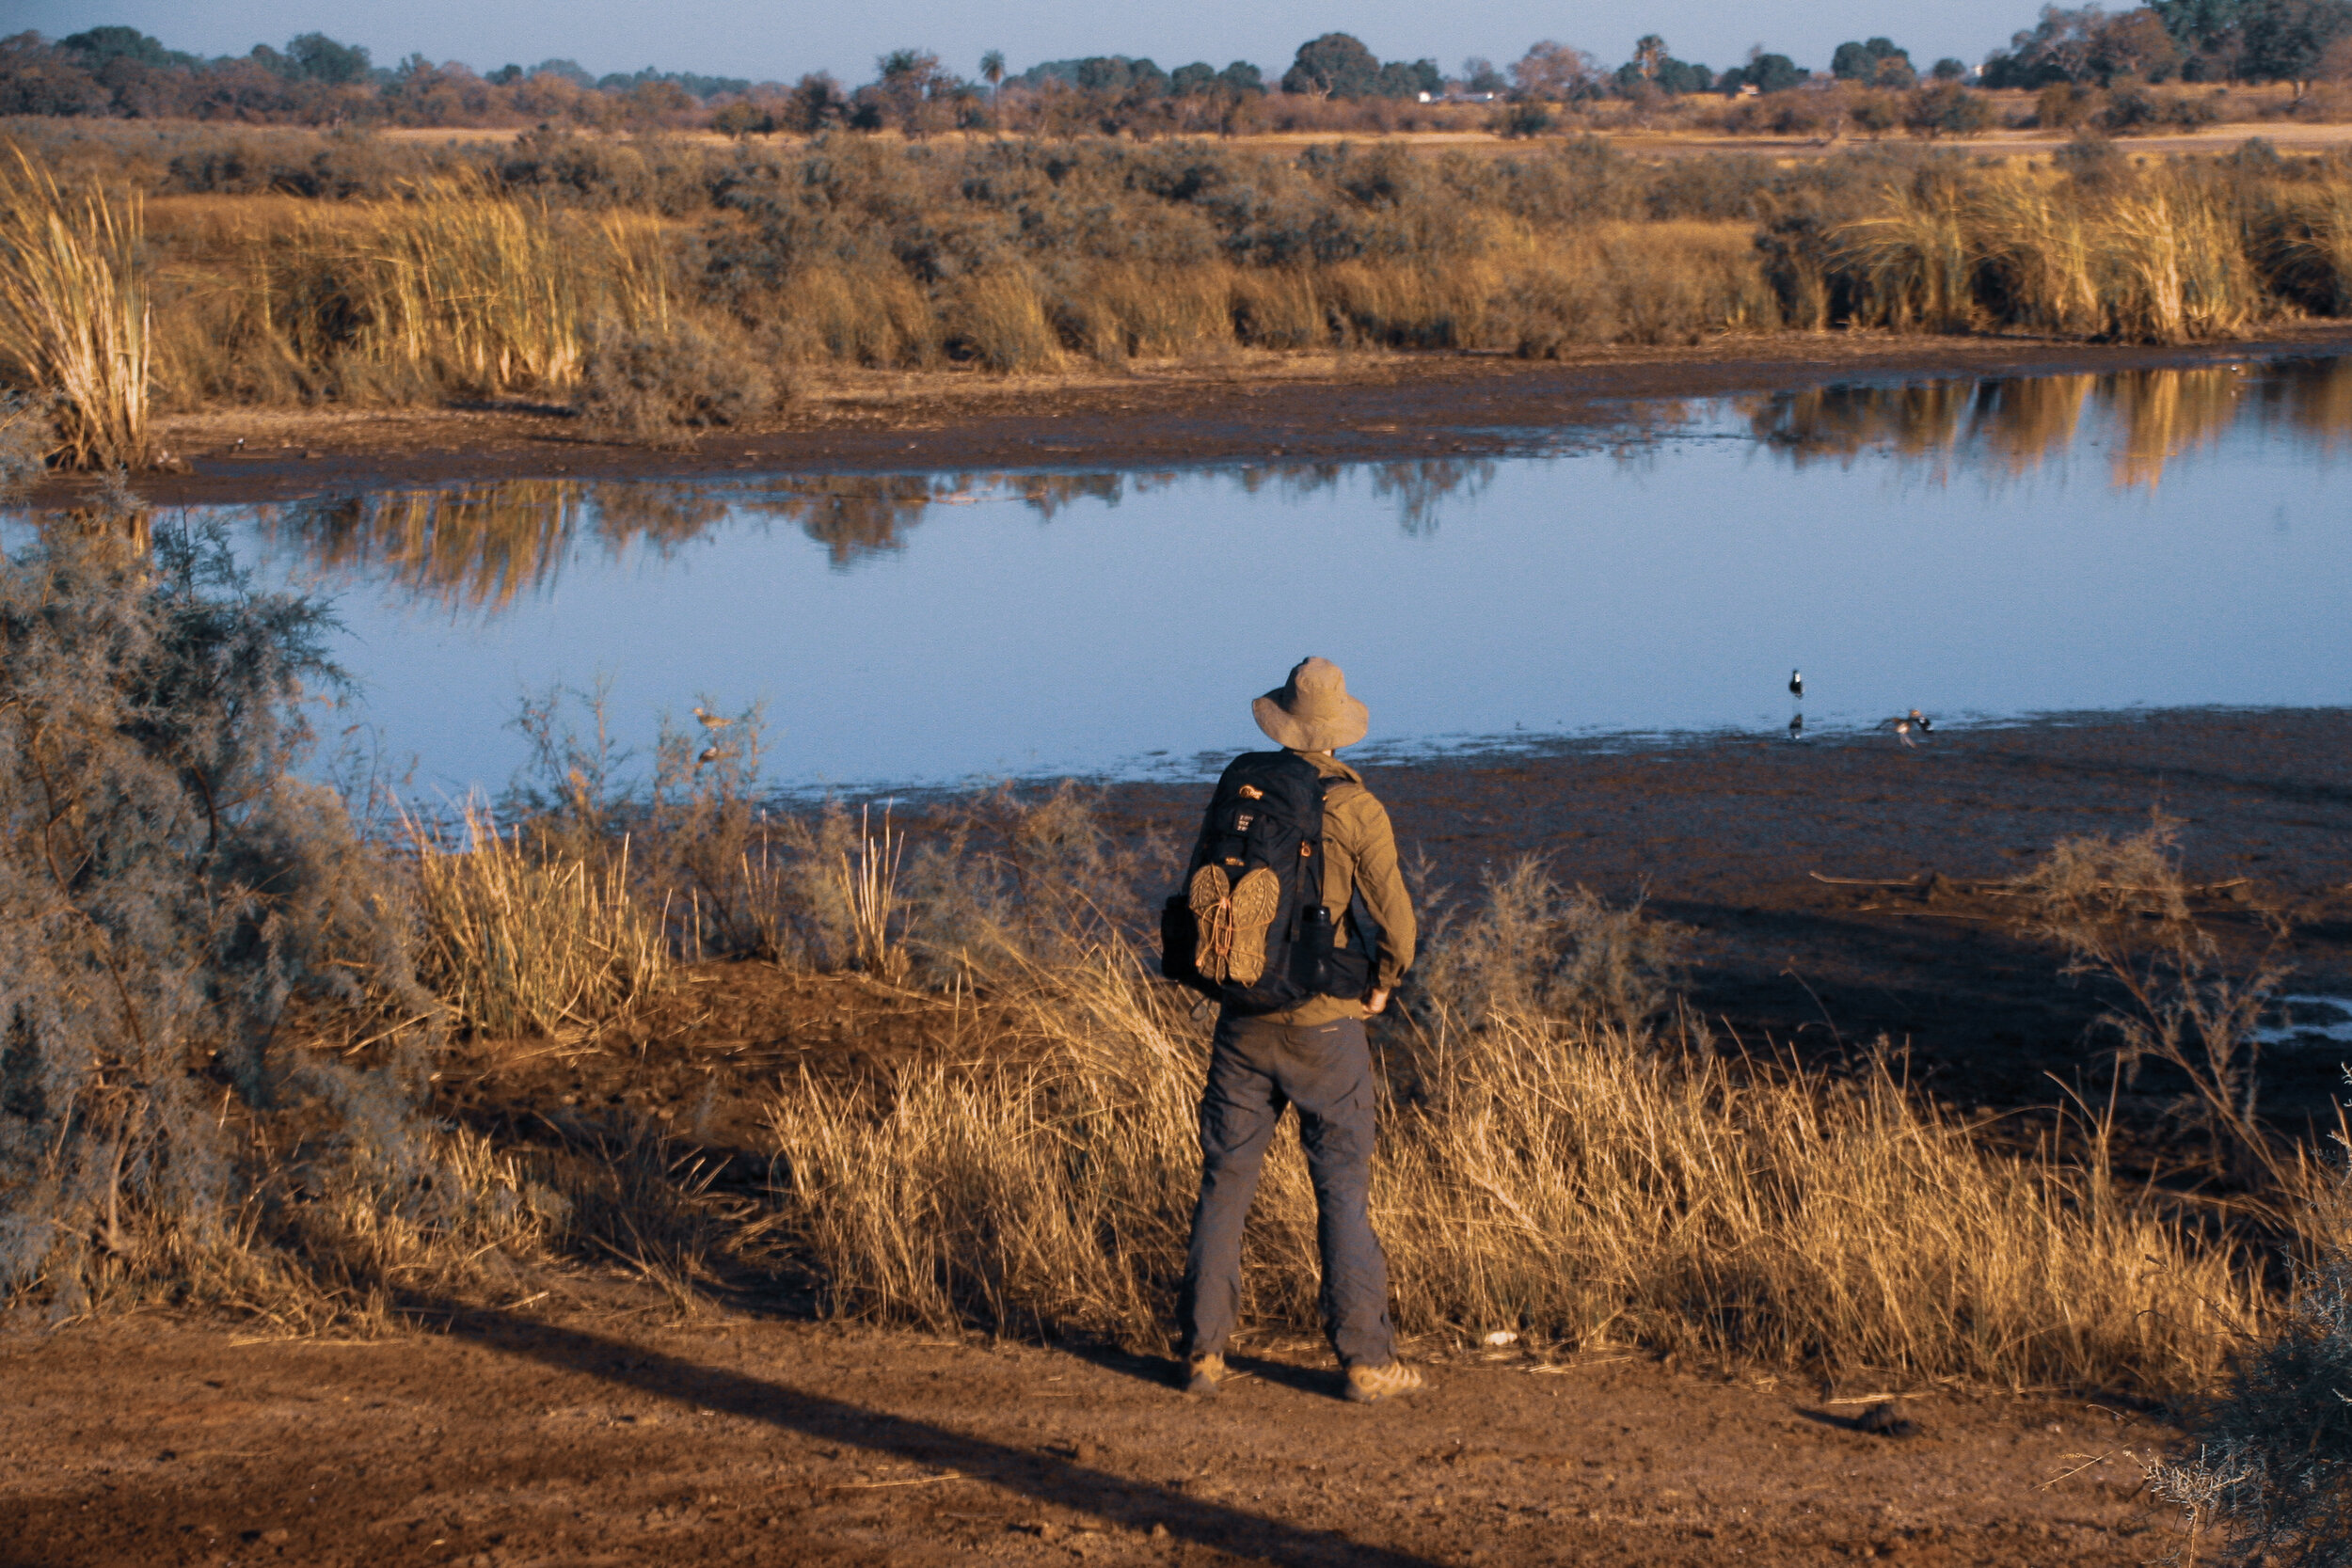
779	41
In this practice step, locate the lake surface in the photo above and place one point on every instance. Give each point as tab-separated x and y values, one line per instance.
1976	548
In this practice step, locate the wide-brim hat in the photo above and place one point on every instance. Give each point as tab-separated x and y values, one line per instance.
1312	711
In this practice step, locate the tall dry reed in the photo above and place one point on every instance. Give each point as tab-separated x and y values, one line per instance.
517	943
73	310
1577	1185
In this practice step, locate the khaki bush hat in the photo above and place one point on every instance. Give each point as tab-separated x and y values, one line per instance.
1312	711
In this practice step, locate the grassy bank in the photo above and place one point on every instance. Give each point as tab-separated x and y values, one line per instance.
659	288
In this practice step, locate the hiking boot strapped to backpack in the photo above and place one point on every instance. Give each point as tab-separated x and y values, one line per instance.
1250	929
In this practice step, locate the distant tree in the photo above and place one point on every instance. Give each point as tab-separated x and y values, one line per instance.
2287	40
2136	43
1949	69
1649	52
1241	79
2058	48
1336	65
911	91
1764	72
1877	61
815	103
1408	79
741	118
1197	80
1551	72
316	57
99	45
1480	75
569	71
505	76
993	67
37	79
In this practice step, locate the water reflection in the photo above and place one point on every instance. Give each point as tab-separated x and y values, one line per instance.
2009	426
478	547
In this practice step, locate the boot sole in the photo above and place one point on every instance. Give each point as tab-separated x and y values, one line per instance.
1254	903
1211	898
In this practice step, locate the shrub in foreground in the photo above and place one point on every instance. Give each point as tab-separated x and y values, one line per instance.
174	904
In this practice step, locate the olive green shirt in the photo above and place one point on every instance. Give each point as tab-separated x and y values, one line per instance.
1359	855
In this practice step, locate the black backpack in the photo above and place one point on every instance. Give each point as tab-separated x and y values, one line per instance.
1264	826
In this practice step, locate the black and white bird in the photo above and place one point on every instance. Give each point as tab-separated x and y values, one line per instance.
1927	725
1796	726
1796	684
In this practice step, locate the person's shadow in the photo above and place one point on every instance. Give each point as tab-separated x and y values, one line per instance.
1048	1478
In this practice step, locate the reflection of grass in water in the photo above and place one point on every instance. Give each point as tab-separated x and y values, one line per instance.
2168	413
480	546
2012	425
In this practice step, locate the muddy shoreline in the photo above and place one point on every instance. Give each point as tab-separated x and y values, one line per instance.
1335	408
1844	892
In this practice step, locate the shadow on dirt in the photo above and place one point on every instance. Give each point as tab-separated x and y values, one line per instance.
1042	1476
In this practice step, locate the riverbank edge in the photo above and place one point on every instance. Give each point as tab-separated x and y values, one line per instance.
1325	408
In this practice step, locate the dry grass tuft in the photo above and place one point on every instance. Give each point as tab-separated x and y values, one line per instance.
517	943
74	311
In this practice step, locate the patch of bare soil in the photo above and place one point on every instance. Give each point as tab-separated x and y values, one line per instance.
1253	408
604	1439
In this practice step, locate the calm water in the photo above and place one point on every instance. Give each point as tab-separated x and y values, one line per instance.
1987	548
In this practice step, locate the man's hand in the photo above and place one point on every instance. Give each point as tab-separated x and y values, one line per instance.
1376	1003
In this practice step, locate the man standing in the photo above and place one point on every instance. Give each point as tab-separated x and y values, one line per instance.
1296	862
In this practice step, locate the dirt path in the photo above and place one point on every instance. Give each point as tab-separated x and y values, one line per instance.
728	1440
1256	408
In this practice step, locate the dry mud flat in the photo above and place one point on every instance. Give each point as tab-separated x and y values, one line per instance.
608	1437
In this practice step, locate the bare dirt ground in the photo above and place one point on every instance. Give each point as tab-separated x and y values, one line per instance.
1251	408
600	1437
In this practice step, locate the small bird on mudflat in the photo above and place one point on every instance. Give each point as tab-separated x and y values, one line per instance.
711	721
1902	728
1796	726
1927	725
1796	684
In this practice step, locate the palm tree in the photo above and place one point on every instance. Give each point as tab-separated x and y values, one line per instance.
993	72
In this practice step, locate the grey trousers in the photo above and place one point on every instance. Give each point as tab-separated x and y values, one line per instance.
1256	1069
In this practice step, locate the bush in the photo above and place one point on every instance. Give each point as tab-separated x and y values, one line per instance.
1947	109
1537	950
171	901
661	383
2271	1465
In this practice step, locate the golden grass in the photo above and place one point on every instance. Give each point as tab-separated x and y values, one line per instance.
2159	259
453	288
1578	1186
73	310
520	943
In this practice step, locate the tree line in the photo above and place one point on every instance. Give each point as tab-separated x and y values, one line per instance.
313	79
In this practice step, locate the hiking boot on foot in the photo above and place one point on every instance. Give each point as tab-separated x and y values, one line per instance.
1202	1373
1371	1384
1255	901
1211	897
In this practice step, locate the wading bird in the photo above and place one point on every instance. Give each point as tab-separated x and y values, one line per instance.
1927	725
1796	726
1796	684
1902	728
